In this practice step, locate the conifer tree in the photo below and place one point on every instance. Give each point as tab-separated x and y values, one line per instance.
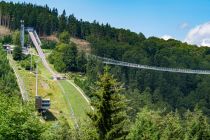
197	126
109	116
17	53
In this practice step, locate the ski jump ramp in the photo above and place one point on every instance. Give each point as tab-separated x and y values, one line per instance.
37	43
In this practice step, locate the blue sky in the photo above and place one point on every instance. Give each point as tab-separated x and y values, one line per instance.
151	17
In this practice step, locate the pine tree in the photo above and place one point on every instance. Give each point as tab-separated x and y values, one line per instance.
109	117
62	22
147	126
17	53
197	126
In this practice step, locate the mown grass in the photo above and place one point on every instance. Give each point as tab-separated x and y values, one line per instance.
78	103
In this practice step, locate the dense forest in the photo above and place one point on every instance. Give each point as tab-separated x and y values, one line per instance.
160	89
157	105
47	21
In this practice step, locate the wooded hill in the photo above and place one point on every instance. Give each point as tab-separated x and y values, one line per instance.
160	89
158	102
154	89
47	21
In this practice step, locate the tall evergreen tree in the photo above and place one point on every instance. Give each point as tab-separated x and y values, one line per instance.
72	25
62	22
17	53
197	126
109	117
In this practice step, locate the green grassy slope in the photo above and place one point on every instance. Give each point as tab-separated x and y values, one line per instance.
79	105
66	100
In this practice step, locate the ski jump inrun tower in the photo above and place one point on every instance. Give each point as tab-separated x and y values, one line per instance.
22	31
37	43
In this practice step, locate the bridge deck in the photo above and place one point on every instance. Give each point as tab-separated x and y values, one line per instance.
139	66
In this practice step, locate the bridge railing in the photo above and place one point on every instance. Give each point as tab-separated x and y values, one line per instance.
37	38
176	70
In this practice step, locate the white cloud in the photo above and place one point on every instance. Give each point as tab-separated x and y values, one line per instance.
205	42
184	25
167	37
200	35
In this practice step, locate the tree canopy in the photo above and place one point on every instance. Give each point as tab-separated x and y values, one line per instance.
66	57
152	125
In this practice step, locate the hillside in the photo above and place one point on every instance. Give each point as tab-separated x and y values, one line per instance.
173	93
96	98
82	45
4	31
15	117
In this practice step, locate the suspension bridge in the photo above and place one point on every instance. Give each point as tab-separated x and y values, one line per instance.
109	61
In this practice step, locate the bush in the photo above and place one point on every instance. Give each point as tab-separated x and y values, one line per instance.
46	44
17	53
26	63
64	37
7	39
16	37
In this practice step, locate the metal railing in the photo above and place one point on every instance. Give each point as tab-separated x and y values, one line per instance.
139	66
